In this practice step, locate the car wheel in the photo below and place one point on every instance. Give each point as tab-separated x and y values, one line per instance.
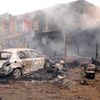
17	73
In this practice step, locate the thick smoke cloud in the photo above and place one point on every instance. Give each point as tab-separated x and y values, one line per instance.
79	22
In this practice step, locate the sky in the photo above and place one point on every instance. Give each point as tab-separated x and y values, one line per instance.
16	7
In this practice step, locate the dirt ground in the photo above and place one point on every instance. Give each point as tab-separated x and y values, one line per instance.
68	88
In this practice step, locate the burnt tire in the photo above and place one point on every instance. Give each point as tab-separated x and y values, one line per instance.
17	73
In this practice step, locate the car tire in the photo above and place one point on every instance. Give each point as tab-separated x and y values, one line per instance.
17	73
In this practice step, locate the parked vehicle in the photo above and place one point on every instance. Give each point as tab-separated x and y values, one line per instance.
20	61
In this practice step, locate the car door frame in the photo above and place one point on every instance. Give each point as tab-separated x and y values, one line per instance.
26	61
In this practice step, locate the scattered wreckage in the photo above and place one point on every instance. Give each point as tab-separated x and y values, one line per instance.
19	62
88	71
96	62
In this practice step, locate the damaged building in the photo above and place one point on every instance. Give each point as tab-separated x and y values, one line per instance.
46	32
64	28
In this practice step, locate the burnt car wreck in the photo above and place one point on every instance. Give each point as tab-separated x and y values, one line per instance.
18	62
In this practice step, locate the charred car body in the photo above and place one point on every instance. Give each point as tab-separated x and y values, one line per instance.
57	63
60	63
18	62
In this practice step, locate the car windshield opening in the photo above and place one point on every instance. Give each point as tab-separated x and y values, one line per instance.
5	55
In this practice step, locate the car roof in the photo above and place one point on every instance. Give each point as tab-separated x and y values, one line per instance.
16	49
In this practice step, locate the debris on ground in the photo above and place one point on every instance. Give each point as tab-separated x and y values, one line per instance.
52	85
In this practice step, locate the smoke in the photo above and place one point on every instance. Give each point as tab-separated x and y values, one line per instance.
76	23
79	22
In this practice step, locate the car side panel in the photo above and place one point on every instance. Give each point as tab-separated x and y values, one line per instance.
38	61
27	65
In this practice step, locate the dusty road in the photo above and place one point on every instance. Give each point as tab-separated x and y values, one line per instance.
68	89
